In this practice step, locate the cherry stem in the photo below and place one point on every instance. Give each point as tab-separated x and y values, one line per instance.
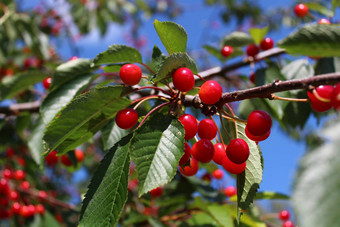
141	100
233	118
151	111
6	14
201	77
288	99
218	130
224	129
155	88
315	93
147	67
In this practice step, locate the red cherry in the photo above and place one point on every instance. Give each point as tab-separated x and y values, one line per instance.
126	118
25	185
207	129
47	82
252	50
324	21
210	92
10	152
19	174
59	218
301	10
13	195
335	97
15	208
238	151
130	74
288	224
206	177
284	215
219	153
21	161
52	158
4	214
257	138
259	123
66	160
190	125
40	209
203	151
42	195
31	210
218	174
230	191
227	51
79	155
267	43
323	102
7	174
187	153
232	167
183	79
189	170
252	78
156	192
4	187
73	58
25	211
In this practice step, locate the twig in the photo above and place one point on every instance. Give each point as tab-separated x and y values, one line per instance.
15	109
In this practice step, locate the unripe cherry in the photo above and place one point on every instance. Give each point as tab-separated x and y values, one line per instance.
189	170
219	153
226	51
218	174
190	125
187	153
183	79
126	118
210	92
230	191
203	151
207	129
259	123
130	74
232	167
238	151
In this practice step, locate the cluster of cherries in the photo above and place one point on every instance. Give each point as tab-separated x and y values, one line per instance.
52	159
284	216
324	97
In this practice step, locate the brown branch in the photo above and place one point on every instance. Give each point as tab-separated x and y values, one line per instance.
15	109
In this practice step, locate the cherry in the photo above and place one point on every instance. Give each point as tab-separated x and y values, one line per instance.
288	224
189	170
238	151
219	153
25	211
156	192
66	160
183	79
335	97
227	51
206	177
4	202
207	129
4	214
258	123
52	158
47	82
301	10
252	78
132	184
79	155
267	43
130	74
21	161
42	195
252	50
257	138
210	92
323	102
7	174
40	209
187	153
4	187
232	167
15	208
25	185
126	118
230	191
190	125
19	174
10	152
284	215
203	151
13	195
324	21
218	174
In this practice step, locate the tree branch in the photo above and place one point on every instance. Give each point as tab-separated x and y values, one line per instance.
15	109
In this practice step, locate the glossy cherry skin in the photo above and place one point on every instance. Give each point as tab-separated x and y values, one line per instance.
218	174
19	174
259	123
301	10
226	51
252	50
266	44
52	158
183	79
238	151
335	97
257	138
284	215
187	154
190	125
230	191
207	129
219	153
130	74
325	93
7	174
156	192
288	224
210	92
232	167
126	118
189	170
15	208
203	151
47	82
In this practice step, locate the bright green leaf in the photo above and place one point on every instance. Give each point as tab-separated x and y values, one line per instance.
107	192
83	117
118	54
258	34
156	148
313	40
112	68
172	35
315	6
221	215
111	134
237	39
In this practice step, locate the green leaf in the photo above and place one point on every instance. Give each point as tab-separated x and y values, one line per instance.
249	181
268	195
205	189
298	69
246	219
70	70
111	134
258	34
237	39
324	65
60	97
317	183
35	141
156	148
221	215
118	54
83	117
314	6
107	192
174	62
112	68
201	220
313	40
157	58
335	4
12	85
172	35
